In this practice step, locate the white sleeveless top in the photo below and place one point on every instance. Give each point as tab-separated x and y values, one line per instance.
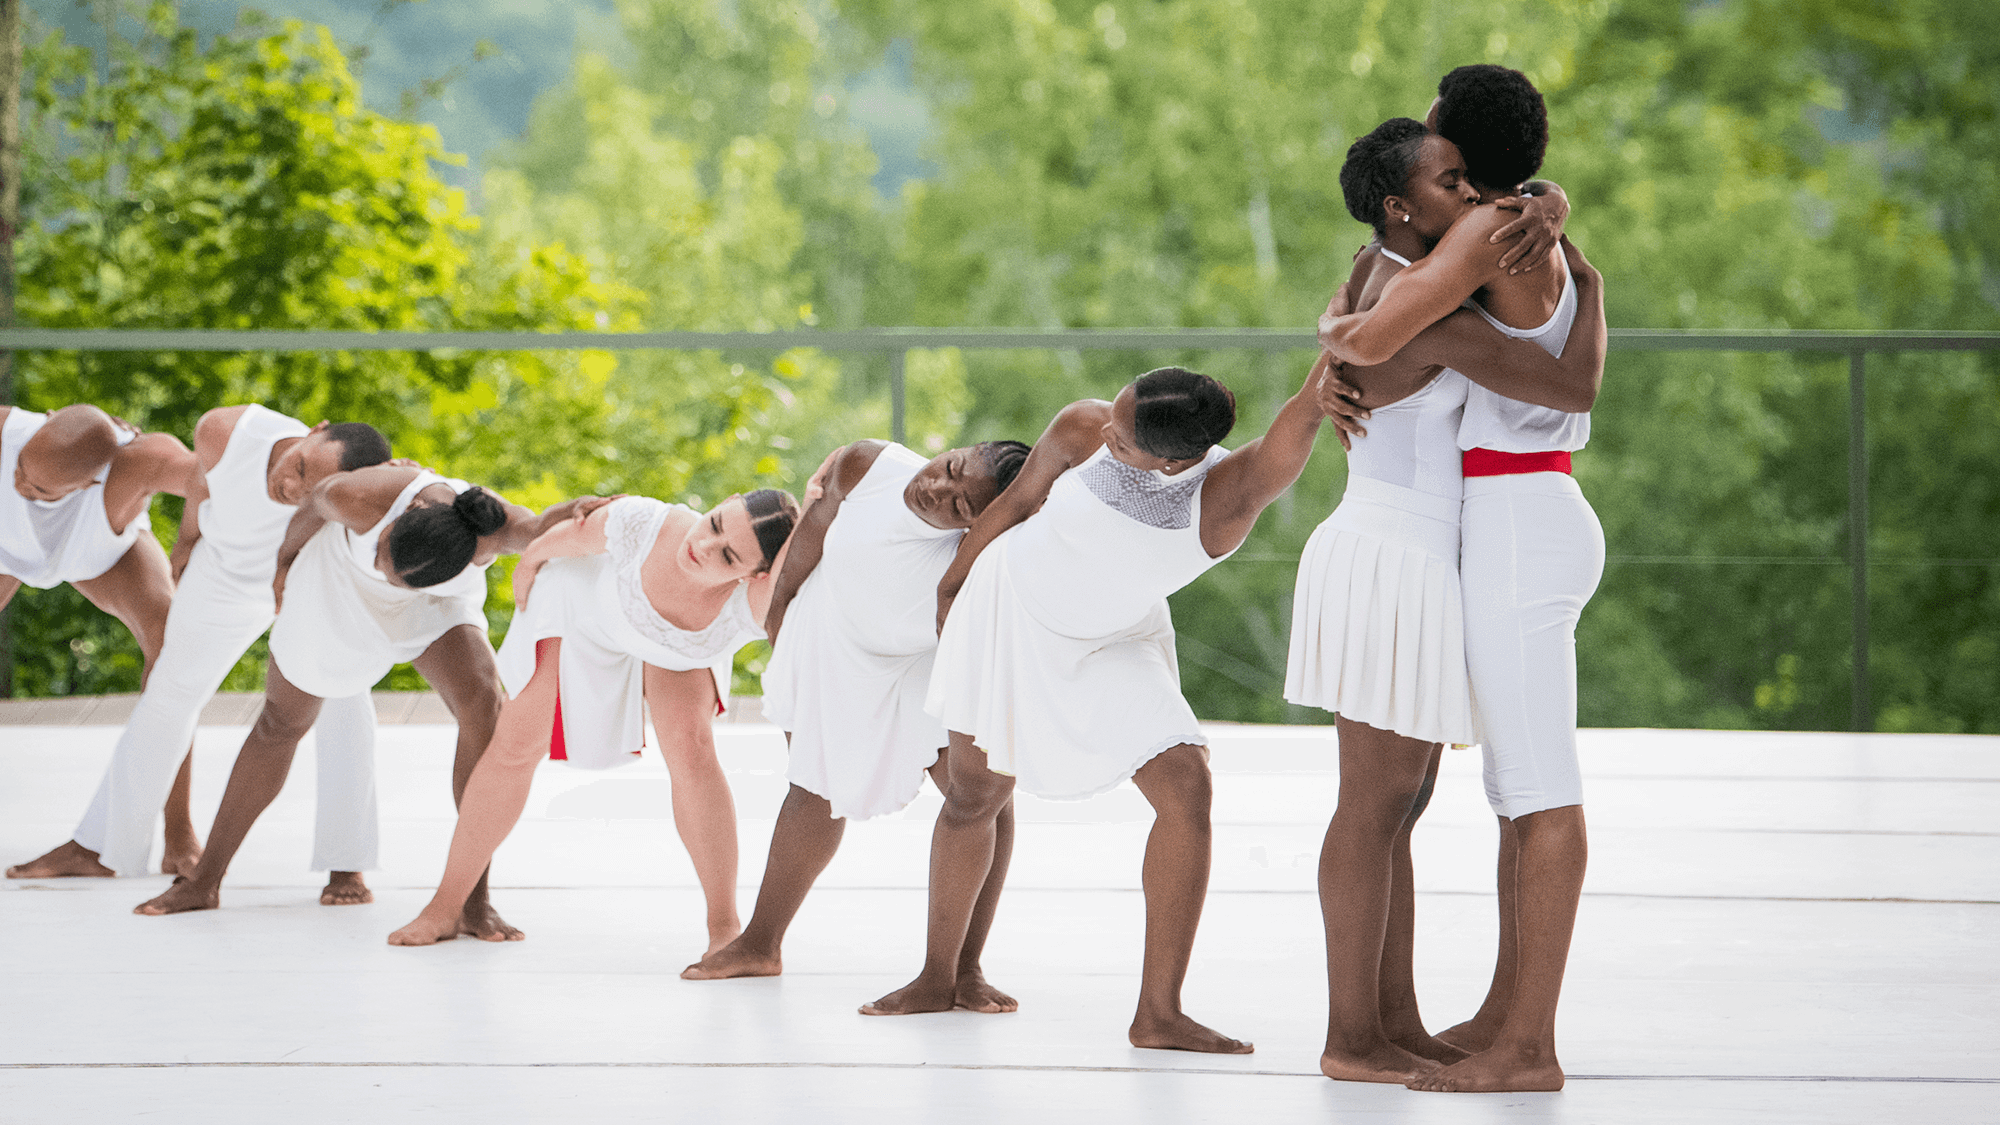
881	563
1413	442
361	545
1494	421
1109	544
242	526
631	532
45	543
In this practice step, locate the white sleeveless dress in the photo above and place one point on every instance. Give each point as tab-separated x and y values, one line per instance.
1058	656
46	543
852	665
344	625
1378	630
1532	557
610	632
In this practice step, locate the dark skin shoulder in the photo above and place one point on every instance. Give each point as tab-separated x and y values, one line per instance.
808	542
148	464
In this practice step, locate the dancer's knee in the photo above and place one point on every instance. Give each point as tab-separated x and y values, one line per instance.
976	795
1178	783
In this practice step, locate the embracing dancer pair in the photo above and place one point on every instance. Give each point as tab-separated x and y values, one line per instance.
1438	604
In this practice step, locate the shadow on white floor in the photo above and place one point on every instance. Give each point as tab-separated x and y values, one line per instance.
1777	927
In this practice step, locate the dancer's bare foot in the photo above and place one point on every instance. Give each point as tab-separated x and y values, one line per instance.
721	934
428	929
1426	1046
1494	1071
1385	1063
182	854
1472	1036
1176	1032
345	888
919	995
180	898
72	860
735	960
973	994
480	920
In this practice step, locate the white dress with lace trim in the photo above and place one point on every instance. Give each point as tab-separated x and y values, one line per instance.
610	632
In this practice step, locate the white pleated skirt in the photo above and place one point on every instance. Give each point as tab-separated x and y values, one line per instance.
1378	627
1067	717
860	735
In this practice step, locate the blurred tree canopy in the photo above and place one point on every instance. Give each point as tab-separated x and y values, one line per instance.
1736	164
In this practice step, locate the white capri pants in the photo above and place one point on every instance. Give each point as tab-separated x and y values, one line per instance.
1533	553
213	620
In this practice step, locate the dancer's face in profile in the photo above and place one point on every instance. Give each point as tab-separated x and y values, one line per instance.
721	546
952	489
1121	436
1437	192
71	452
299	469
42	472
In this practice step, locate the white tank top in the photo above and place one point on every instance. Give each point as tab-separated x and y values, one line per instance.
1494	421
361	544
882	563
631	533
1413	442
240	523
45	543
1109	544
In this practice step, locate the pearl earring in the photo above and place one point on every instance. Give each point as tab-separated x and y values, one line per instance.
1406	218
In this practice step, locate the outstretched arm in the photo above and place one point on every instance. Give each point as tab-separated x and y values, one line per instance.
149	464
580	535
1418	296
1243	484
1075	434
357	500
843	470
1521	369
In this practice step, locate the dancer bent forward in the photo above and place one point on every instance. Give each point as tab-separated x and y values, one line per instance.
1532	554
1377	626
253	467
380	566
853	627
640	606
1056	668
74	510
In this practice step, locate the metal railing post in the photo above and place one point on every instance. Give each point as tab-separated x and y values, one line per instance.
897	356
1857	529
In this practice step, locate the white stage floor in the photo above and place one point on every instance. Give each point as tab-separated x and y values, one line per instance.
1776	927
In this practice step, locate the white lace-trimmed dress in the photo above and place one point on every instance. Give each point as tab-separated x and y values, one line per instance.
1058	656
610	632
344	625
853	661
1378	623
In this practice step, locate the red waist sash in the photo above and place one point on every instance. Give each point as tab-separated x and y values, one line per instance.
1493	463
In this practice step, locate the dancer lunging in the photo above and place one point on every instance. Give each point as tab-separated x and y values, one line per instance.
1056	667
853	626
643	602
253	466
78	483
1532	553
1377	627
379	566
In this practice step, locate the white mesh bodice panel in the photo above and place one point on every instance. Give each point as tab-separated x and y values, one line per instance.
1141	494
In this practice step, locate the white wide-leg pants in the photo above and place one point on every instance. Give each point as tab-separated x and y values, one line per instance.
1533	553
213	620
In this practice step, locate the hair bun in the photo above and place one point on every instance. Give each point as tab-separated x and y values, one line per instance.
481	510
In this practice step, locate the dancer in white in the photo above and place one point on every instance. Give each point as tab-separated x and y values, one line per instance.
1532	553
1377	628
642	606
378	566
1056	668
253	467
853	631
79	484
